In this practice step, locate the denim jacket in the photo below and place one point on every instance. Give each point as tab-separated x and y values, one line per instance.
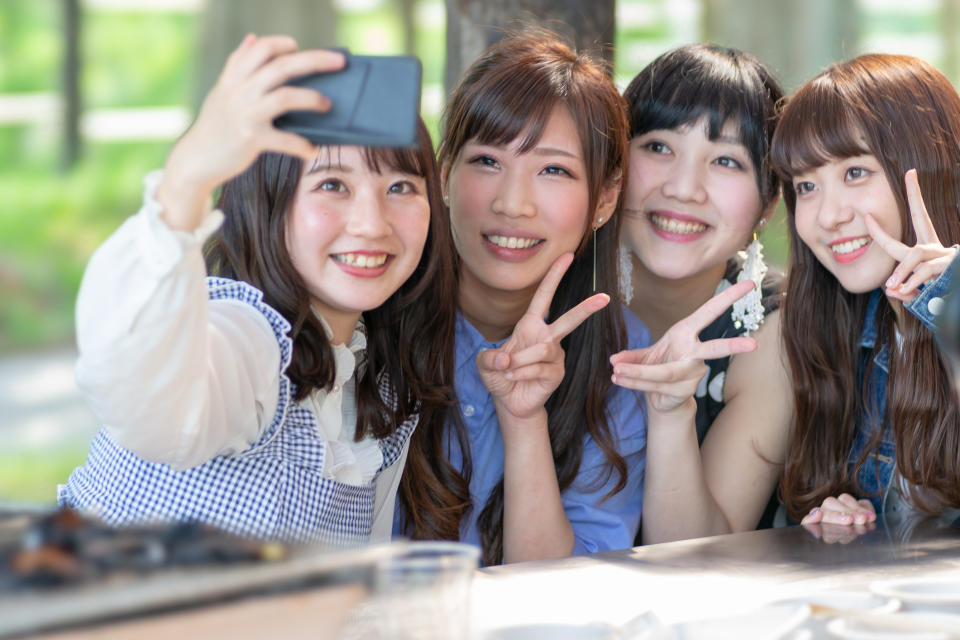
876	478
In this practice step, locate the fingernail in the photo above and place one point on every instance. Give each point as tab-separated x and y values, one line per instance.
613	379
903	289
815	511
891	281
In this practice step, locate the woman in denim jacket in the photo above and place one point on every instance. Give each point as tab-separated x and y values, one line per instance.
877	424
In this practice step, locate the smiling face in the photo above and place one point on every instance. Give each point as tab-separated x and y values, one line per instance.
355	235
832	200
512	213
691	203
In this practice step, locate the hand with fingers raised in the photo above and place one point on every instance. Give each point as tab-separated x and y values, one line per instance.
235	123
921	263
522	373
841	510
670	370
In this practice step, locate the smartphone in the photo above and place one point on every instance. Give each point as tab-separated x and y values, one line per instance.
376	102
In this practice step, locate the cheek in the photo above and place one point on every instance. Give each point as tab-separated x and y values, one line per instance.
642	178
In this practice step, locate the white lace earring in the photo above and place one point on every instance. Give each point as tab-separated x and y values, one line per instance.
748	311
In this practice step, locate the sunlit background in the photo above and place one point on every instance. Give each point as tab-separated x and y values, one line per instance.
78	132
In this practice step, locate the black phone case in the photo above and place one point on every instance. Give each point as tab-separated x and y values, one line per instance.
376	102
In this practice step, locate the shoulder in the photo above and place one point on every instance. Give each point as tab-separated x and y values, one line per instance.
237	291
758	388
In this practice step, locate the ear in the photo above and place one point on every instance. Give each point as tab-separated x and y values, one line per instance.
609	196
768	212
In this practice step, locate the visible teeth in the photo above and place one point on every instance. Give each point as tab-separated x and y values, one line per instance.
361	259
512	242
677	226
850	245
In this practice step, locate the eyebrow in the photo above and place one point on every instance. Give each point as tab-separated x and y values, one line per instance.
326	166
730	140
553	151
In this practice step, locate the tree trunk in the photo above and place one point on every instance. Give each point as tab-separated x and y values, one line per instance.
474	25
70	84
796	40
311	22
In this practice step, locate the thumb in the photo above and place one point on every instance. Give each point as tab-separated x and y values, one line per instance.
492	360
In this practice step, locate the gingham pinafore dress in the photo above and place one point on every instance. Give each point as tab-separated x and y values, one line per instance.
273	490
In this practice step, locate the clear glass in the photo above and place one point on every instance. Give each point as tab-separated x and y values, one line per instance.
422	591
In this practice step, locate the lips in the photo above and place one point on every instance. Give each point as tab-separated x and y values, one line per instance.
508	246
512	242
363	264
847	250
675	227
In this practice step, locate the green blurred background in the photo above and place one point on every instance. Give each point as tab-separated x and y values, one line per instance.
142	66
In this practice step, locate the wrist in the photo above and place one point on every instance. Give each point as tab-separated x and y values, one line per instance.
685	411
517	430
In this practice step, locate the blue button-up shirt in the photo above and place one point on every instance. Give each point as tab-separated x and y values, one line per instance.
598	524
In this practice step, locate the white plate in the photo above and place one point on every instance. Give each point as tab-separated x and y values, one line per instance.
771	621
554	632
911	625
921	590
848	601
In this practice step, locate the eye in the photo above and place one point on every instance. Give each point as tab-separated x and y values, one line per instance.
855	173
655	146
484	161
333	185
803	187
402	187
728	162
555	170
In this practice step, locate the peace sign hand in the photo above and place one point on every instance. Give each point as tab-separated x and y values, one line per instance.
670	370
522	373
920	263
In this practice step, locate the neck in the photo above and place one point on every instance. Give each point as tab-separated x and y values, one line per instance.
341	325
493	312
662	302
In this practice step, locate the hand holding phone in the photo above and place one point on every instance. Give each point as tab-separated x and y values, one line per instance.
376	103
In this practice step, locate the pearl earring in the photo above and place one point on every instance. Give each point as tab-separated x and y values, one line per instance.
446	199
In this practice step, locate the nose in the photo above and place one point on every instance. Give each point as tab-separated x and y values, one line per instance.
514	197
835	211
686	181
368	216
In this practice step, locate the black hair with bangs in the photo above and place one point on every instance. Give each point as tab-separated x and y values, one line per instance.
722	84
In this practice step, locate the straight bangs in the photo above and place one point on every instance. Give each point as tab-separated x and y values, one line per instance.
720	84
502	107
403	159
817	127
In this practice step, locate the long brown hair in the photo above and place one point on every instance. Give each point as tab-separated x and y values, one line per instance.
407	341
509	93
905	113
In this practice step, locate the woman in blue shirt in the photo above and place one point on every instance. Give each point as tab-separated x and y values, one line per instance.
542	457
877	424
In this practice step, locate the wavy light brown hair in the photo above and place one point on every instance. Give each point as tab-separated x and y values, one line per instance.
406	340
907	114
508	94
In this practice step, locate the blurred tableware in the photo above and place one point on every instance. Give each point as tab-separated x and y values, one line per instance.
906	625
921	590
596	631
422	591
769	622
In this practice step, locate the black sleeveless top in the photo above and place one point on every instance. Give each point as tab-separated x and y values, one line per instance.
709	394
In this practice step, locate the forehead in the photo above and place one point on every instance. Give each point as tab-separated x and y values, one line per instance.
559	135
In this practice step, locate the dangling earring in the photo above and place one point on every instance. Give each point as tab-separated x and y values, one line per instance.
446	199
748	311
626	273
595	227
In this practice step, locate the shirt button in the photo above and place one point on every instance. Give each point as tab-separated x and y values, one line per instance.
468	410
935	306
